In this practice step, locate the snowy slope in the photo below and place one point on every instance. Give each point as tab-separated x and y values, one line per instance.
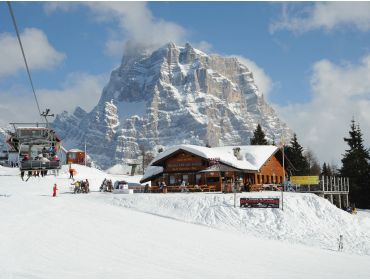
307	219
169	236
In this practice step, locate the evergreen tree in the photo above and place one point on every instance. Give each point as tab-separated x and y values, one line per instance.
259	137
326	170
313	164
356	166
294	152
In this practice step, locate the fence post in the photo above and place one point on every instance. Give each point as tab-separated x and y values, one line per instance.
323	183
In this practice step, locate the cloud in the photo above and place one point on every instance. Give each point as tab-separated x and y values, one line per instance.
135	23
203	46
18	105
340	92
40	54
262	80
323	15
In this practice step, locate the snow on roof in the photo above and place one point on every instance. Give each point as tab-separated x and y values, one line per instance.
151	171
251	157
256	155
75	151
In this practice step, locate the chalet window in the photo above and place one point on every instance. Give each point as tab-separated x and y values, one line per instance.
281	179
198	179
258	179
263	179
72	156
272	179
172	180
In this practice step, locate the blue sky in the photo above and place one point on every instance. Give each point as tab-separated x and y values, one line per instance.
310	59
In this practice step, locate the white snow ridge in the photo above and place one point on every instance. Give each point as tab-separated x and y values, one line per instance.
197	235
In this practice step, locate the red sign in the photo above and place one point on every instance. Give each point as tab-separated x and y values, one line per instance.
259	202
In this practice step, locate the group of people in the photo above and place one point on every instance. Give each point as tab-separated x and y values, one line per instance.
34	173
106	186
81	186
44	156
229	187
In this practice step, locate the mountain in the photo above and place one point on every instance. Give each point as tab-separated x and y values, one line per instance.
171	96
3	137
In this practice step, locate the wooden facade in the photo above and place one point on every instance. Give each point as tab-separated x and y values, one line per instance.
271	172
75	156
198	171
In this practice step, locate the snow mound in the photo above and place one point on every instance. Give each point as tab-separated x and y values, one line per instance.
307	219
119	169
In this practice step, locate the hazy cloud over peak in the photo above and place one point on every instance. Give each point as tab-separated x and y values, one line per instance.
136	23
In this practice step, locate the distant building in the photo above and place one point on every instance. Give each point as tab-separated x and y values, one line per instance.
75	156
217	166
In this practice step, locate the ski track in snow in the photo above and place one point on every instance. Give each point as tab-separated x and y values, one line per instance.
200	235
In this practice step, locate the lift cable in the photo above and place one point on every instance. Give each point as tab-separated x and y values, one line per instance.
24	56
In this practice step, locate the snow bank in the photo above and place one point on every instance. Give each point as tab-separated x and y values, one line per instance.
307	219
119	169
89	236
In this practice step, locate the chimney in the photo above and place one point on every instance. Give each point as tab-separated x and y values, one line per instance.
237	152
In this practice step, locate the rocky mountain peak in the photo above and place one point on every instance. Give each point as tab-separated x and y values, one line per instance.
175	94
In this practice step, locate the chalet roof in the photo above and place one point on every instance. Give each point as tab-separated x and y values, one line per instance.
75	151
251	158
150	172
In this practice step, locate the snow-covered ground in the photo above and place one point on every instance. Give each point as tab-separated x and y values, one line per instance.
201	235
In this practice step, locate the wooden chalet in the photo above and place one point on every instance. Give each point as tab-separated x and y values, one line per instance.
216	169
75	156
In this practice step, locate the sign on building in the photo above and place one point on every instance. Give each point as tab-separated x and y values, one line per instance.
304	180
259	202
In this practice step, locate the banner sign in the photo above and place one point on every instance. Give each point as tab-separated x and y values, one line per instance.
304	180
259	202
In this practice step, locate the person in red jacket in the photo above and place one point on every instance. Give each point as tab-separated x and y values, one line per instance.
55	190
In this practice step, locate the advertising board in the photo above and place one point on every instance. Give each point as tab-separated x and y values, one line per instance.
305	180
259	202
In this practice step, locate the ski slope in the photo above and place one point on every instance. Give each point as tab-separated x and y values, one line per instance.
104	235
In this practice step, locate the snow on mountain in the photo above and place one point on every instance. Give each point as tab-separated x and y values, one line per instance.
3	137
200	235
174	95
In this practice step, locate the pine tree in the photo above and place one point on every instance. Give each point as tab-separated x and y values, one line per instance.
356	166
294	152
326	170
258	137
313	164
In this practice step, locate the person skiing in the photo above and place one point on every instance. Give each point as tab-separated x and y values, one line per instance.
87	186
55	190
340	243
71	173
77	187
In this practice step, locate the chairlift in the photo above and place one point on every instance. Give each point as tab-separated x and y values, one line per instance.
37	146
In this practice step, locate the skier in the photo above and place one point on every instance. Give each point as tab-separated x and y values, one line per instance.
71	173
340	243
55	190
87	186
77	187
103	186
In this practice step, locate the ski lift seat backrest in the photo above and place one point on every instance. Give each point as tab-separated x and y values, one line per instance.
33	133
